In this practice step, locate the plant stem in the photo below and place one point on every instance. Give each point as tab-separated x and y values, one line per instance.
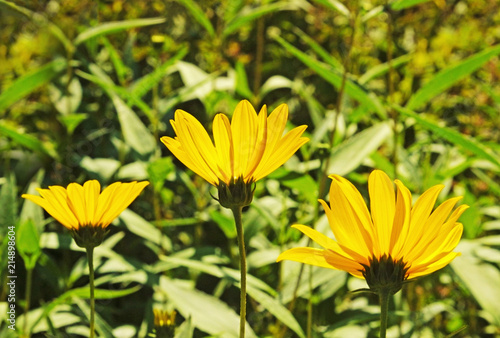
384	309
90	258
243	268
29	280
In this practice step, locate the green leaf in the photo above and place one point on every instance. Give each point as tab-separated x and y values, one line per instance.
113	27
248	14
336	6
84	292
28	141
480	279
335	78
26	84
383	68
120	68
66	98
28	243
449	76
139	226
303	183
242	87
273	306
324	54
464	141
134	131
145	83
72	121
208	313
348	155
225	223
158	171
198	15
402	4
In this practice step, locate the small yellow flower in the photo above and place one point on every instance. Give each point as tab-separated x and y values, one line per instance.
84	210
249	148
396	242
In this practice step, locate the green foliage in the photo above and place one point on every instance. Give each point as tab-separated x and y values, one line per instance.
87	89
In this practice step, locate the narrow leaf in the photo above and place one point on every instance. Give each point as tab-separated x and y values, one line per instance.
454	137
29	141
335	78
113	27
198	15
30	82
449	76
402	4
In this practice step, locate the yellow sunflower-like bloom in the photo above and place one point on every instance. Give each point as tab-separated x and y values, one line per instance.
244	151
396	242
84	210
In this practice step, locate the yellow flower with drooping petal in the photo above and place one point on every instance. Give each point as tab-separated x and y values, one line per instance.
250	147
393	243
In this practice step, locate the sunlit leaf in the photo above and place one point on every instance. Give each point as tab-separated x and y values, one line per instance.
449	76
464	141
28	83
113	27
198	15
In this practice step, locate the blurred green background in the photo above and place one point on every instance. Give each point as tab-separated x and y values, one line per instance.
87	88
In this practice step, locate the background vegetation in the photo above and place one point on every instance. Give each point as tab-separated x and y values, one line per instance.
88	87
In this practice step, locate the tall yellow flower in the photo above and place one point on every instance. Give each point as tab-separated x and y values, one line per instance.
396	242
87	212
84	210
244	151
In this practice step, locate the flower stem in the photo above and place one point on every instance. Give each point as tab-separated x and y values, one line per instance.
29	280
384	309
243	268
90	258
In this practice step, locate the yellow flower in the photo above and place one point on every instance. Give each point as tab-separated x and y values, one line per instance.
84	209
249	148
397	241
79	206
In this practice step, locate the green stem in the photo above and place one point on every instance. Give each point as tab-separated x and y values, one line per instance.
29	280
384	310
90	258
243	268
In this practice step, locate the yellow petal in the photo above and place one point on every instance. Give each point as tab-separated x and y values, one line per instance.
310	256
435	228
92	190
61	217
224	146
401	221
285	149
197	144
344	223
430	268
124	195
58	197
260	145
419	214
76	201
383	207
244	131
175	147
330	244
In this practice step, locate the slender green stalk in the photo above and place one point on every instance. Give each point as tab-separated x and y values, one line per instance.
390	85
384	295
243	268
29	280
90	258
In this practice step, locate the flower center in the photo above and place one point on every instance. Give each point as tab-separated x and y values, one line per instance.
385	273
